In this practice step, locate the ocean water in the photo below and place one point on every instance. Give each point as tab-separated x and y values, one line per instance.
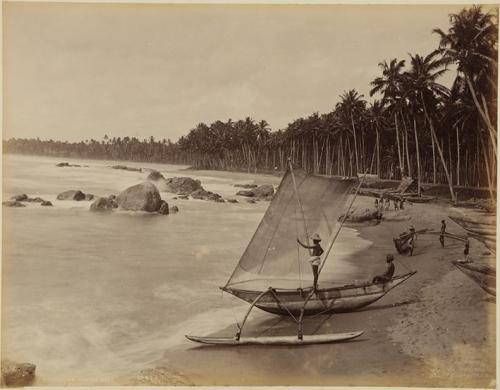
88	297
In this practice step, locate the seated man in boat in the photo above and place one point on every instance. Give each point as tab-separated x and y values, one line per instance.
389	272
315	258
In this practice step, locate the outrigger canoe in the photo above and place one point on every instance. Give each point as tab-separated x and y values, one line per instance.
482	274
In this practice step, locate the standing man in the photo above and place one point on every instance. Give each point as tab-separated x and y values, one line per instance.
411	239
443	231
315	258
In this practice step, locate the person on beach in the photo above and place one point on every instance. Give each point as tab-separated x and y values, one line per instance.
387	203
376	203
401	203
396	205
315	258
443	231
389	272
467	258
411	239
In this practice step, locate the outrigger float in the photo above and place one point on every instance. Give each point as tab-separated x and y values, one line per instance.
271	272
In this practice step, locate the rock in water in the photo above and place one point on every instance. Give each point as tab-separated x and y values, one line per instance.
102	204
264	191
232	201
141	197
20	198
248	193
17	374
174	209
246	186
13	203
71	195
182	185
89	196
125	168
163	208
155	176
46	203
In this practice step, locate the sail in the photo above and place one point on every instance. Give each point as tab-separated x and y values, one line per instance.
273	258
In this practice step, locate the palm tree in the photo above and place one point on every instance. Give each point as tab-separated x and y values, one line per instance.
424	89
377	119
389	85
352	104
471	43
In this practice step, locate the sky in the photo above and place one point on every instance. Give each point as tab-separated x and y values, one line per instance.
80	71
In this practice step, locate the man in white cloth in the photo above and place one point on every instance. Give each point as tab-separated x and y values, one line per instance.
315	258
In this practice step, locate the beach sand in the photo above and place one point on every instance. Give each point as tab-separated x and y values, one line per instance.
437	329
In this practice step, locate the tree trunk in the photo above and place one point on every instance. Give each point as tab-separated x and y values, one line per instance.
397	142
355	143
419	179
433	161
450	184
378	151
487	165
492	131
458	156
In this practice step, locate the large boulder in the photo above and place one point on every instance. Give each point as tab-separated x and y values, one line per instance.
182	185
141	197
17	374
71	195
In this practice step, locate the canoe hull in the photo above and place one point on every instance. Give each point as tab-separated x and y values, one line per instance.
277	340
329	300
483	275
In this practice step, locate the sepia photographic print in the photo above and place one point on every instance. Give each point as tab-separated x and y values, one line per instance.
249	194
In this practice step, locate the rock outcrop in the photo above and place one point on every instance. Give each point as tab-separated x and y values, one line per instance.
13	203
246	186
71	195
182	185
17	374
125	168
141	197
20	197
65	164
264	192
163	208
155	176
103	204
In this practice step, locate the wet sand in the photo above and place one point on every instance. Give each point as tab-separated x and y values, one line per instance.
437	329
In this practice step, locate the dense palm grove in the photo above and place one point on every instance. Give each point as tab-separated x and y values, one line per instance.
415	126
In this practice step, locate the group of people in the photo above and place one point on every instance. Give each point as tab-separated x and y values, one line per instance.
410	236
385	204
